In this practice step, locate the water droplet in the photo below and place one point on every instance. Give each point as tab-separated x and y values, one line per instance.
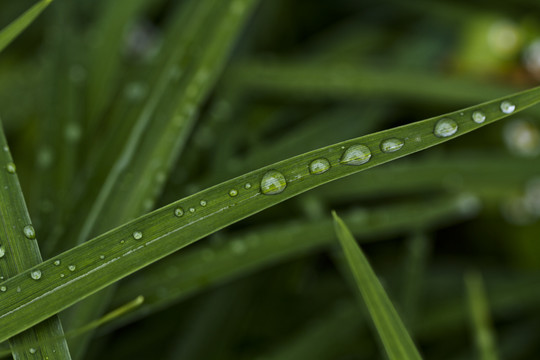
273	182
507	107
2	251
122	241
478	117
62	275
18	289
191	210
36	274
319	166
137	235
3	288
233	192
102	257
391	145
202	202
247	186
29	232
10	167
72	267
178	212
356	155
56	262
32	351
445	127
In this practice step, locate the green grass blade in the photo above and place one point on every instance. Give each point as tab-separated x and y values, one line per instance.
480	317
395	338
19	251
11	31
122	251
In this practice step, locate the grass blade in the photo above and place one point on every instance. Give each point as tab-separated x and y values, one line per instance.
19	251
102	261
11	31
480	318
396	340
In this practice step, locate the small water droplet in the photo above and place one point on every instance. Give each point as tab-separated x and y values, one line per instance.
3	288
62	275
32	351
319	166
273	182
233	192
29	232
191	210
102	257
72	267
2	251
478	117
36	274
247	186
137	235
10	167
202	202
356	155
178	212
391	145
445	127
18	289
507	107
122	241
56	262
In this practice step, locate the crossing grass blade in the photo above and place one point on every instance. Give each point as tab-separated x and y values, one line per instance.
11	31
109	257
480	317
19	251
395	338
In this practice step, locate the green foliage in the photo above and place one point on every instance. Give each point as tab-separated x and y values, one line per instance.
189	152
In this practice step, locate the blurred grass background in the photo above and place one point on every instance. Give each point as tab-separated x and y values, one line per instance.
303	74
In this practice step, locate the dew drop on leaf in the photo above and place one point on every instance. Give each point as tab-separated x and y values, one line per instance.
356	155
3	288
233	192
478	117
29	232
10	167
247	186
2	251
391	145
445	127
72	267
507	107
273	182
178	212
56	262
319	166
36	274
203	203
137	235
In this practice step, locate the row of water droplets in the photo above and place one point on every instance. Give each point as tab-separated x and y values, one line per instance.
274	182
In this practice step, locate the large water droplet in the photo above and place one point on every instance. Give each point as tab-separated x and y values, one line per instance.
478	117
356	155
319	166
273	182
10	167
233	192
445	127
507	107
391	145
36	274
3	288
29	232
72	267
137	235
2	251
178	212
